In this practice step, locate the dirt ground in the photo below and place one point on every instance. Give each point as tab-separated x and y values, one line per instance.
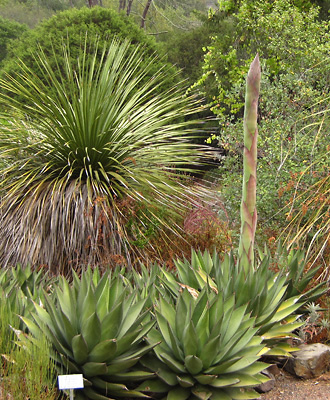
288	387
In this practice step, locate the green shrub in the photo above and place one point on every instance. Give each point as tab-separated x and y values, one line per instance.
9	30
72	26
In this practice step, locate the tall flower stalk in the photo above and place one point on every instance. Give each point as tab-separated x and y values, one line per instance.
248	205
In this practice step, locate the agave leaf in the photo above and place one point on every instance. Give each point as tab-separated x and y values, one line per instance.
242	363
173	364
68	303
69	331
238	394
164	329
254	368
44	316
131	317
167	311
161	369
86	304
133	376
202	328
103	351
79	349
179	393
185	381
144	330
200	305
234	323
154	336
68	365
202	393
116	293
140	351
281	331
193	364
153	386
167	376
120	365
130	393
175	344
91	330
55	322
288	307
245	380
125	342
93	395
205	379
108	386
190	340
278	351
224	381
102	294
246	340
32	327
92	369
210	351
180	317
220	394
111	322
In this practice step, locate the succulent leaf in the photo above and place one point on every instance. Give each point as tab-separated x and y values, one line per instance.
103	351
179	393
79	349
193	364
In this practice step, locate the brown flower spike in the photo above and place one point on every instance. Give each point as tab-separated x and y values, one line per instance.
248	206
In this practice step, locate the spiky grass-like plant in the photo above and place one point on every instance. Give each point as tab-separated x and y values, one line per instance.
248	205
69	159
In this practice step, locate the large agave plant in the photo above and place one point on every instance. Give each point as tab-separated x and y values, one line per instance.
265	293
209	349
96	328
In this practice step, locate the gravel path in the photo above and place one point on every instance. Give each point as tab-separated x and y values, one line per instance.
289	388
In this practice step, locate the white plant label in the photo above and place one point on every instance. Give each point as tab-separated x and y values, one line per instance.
73	381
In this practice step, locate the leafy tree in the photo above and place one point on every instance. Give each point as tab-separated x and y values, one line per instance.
185	48
74	24
293	46
161	17
9	30
76	160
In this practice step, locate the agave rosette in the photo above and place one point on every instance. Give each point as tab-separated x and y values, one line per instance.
262	291
209	349
97	328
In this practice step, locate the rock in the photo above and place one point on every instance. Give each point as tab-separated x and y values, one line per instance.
311	361
270	372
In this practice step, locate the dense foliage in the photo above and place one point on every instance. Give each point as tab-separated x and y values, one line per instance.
295	89
9	30
71	27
